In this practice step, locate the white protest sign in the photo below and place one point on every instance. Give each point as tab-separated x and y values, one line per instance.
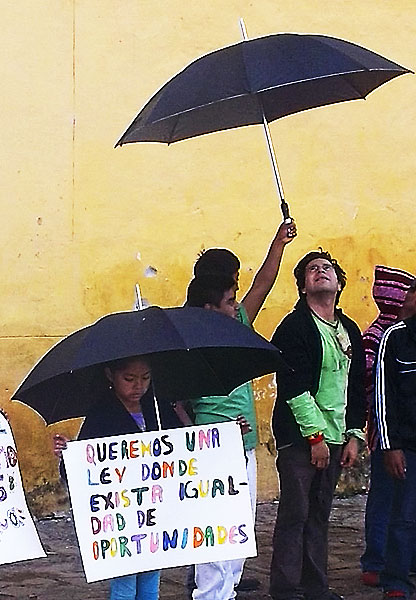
19	539
162	499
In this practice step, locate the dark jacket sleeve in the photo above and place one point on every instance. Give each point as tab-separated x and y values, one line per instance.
295	339
386	395
299	342
355	417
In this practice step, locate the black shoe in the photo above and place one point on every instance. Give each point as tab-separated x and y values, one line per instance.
248	584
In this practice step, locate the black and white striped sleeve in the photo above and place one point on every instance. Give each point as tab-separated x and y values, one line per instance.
386	390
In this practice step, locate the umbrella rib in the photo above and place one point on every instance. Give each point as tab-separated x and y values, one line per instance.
211	369
188	110
174	128
272	87
281	85
357	91
322	41
325	41
187	349
53	411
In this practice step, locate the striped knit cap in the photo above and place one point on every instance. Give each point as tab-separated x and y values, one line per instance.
389	292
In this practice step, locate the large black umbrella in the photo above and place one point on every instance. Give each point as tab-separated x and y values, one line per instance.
192	352
258	81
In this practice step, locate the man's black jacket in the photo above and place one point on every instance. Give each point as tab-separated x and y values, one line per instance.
298	338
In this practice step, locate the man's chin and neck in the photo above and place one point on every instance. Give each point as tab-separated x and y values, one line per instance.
322	303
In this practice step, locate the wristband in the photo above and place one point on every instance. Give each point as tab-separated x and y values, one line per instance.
316	438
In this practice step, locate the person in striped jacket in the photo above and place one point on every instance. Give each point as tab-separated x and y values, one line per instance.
389	291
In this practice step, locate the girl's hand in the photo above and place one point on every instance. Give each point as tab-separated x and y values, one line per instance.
59	444
244	424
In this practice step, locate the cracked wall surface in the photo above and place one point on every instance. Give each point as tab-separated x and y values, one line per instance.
83	222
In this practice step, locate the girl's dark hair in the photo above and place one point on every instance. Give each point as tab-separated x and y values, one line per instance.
216	260
299	270
120	363
208	288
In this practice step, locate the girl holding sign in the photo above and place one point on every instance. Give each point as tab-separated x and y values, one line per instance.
126	407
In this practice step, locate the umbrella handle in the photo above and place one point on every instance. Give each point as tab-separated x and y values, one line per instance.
157	410
284	207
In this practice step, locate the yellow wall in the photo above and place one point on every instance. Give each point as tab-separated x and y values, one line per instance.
82	220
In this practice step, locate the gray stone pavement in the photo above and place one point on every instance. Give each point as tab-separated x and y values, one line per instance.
60	575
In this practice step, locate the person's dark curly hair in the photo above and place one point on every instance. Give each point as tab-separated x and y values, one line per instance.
299	270
216	260
208	288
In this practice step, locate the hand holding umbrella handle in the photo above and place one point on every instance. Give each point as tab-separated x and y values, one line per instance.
291	232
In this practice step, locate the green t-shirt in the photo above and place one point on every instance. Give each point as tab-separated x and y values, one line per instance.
326	411
217	409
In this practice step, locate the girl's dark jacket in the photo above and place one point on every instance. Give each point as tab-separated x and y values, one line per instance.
298	338
107	416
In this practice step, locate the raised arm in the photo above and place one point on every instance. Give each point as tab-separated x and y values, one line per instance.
267	274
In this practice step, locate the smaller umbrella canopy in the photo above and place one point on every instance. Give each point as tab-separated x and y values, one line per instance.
192	352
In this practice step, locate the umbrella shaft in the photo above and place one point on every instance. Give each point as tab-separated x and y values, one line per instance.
243	29
283	204
273	157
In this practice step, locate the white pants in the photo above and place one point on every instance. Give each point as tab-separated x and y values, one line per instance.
217	580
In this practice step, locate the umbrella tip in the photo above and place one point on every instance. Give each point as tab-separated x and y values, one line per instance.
119	141
243	28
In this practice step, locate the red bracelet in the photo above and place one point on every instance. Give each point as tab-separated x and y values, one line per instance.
316	438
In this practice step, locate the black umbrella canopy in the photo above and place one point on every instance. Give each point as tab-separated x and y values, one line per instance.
279	74
192	352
